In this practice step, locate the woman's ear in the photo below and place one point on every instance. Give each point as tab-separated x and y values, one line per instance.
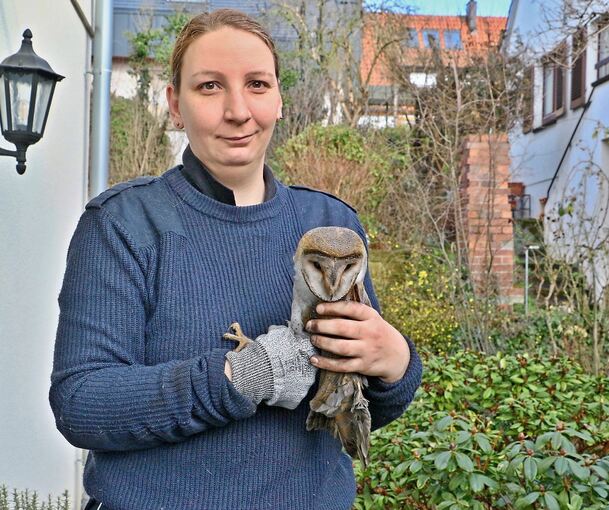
280	109
174	106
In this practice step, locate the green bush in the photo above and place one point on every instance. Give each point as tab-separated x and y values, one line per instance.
487	432
355	165
26	500
416	292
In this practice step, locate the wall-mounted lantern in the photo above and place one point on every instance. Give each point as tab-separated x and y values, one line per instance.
27	83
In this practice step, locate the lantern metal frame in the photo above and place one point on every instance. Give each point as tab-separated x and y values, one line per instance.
25	63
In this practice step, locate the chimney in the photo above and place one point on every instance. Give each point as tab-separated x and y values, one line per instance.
470	16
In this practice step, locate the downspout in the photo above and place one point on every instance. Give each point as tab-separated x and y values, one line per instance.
100	116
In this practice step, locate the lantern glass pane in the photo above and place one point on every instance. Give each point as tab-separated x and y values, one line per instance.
3	104
20	86
45	86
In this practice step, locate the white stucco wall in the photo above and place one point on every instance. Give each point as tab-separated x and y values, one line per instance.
38	214
536	155
583	176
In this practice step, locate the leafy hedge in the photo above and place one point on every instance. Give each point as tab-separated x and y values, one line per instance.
487	432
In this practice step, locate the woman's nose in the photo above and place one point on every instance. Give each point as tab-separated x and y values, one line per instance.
236	108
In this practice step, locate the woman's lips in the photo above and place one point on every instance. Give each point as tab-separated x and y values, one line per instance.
236	139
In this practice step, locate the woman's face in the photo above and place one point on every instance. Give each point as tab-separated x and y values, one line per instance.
228	101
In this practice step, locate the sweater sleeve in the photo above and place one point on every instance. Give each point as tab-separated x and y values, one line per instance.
103	395
389	401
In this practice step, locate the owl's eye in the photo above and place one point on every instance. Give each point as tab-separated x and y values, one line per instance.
317	266
349	266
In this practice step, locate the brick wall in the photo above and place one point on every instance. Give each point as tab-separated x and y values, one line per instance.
487	216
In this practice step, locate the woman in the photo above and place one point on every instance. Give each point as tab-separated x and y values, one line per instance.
158	269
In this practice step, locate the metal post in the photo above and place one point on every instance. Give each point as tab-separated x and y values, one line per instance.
526	281
100	118
526	277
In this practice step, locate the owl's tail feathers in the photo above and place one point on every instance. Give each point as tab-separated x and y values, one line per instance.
351	427
354	429
318	421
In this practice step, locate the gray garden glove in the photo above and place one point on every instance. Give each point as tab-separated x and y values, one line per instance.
275	368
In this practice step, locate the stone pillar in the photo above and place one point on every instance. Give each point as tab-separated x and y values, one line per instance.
487	216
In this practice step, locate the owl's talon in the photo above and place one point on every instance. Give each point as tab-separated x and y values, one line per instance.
238	336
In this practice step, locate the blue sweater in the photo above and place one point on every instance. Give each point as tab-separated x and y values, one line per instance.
156	272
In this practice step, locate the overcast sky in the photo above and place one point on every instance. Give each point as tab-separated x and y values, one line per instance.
453	7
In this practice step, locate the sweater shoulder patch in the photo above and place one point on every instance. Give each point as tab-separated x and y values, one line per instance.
103	197
313	190
143	206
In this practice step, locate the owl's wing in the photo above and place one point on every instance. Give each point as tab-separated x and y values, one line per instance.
358	293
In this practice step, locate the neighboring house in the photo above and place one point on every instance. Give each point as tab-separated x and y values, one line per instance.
39	211
560	152
457	39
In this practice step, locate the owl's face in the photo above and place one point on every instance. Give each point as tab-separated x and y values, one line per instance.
331	278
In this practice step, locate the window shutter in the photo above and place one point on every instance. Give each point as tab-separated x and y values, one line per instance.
578	70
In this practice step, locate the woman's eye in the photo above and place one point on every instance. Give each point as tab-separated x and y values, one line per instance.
258	84
208	85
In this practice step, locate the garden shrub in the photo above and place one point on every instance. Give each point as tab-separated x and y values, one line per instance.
487	432
138	142
340	160
415	292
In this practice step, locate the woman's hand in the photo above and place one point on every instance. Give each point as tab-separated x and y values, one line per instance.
363	341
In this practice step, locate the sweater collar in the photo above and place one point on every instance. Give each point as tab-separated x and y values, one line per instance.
239	214
199	176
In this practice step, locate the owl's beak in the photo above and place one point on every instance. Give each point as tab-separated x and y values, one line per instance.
333	281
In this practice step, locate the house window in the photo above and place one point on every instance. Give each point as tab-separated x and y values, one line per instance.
431	38
553	86
452	40
527	99
578	69
410	38
603	51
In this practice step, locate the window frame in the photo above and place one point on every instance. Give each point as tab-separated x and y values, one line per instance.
528	117
602	31
460	39
413	36
425	40
554	60
579	42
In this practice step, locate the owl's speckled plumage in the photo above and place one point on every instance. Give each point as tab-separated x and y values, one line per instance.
330	265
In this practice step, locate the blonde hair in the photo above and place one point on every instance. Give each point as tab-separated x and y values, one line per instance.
208	22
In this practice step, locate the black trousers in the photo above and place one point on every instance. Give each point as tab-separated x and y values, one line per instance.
93	505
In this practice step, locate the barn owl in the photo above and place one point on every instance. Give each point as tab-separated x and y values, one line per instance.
330	265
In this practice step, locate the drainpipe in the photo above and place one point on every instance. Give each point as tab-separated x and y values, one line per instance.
100	116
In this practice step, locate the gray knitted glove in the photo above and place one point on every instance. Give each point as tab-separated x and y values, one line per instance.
274	369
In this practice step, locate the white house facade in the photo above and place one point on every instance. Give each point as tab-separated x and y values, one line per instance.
38	214
560	153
